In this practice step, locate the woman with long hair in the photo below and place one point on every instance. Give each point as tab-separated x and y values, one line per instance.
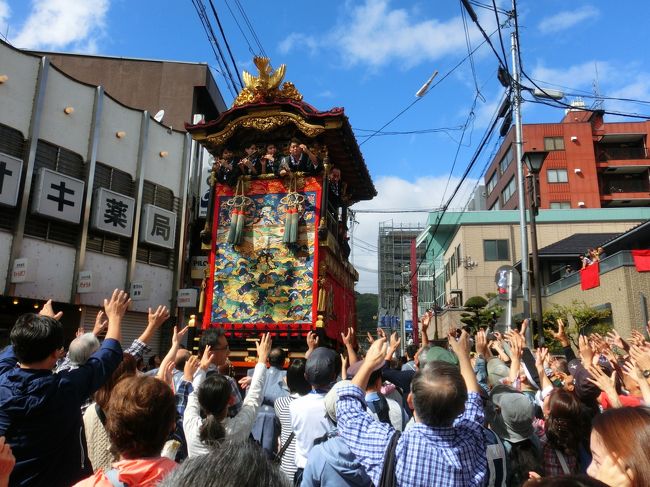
562	433
206	420
620	440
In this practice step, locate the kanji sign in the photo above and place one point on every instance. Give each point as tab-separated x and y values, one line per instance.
158	227
204	187
10	174
24	270
187	298
58	196
85	282
139	291
113	212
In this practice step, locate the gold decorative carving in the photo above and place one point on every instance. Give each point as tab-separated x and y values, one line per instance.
265	124
266	85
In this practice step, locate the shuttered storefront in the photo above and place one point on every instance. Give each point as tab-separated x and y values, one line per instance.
133	324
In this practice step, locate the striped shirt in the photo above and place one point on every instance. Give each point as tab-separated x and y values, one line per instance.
281	406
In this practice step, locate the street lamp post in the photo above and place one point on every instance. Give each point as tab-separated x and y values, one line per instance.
534	161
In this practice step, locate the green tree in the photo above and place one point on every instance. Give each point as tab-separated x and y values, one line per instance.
478	314
586	320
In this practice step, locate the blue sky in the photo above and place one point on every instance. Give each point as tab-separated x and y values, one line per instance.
371	56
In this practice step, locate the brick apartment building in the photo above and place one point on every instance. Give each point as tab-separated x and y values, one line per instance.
591	164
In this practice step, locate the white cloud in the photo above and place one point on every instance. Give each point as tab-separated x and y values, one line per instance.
395	193
567	19
63	24
374	34
296	40
579	76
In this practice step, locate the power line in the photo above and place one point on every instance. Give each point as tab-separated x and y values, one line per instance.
439	80
250	28
212	39
225	40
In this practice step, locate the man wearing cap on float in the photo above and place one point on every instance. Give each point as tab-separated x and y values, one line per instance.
308	420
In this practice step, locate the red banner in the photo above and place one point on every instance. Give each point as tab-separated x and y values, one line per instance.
641	260
590	276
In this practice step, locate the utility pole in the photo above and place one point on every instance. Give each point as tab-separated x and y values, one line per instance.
516	109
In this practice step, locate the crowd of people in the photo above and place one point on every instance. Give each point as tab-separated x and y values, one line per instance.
484	410
258	161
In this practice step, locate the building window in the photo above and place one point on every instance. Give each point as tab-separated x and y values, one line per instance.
495	250
496	205
560	205
557	176
447	271
505	162
509	190
553	143
491	183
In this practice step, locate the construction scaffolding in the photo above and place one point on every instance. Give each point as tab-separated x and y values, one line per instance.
394	242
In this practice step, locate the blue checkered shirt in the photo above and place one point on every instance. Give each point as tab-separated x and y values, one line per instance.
425	456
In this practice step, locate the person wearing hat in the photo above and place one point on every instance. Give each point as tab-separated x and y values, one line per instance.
308	412
446	447
330	461
511	416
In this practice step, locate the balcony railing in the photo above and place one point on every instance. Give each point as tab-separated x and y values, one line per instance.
620	259
620	153
618	185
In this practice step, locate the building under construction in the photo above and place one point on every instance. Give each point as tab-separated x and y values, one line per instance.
395	269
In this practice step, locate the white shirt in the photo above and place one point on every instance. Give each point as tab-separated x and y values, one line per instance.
308	423
237	428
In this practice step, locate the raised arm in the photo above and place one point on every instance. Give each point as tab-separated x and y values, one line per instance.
171	354
115	308
461	348
312	343
347	341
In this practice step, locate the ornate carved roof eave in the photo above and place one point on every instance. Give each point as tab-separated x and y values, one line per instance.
264	121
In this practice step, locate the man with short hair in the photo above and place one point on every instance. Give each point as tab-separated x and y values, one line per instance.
266	428
308	420
40	412
445	447
216	339
300	158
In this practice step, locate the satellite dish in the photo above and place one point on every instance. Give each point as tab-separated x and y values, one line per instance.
159	116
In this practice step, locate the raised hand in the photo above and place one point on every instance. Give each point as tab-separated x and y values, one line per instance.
344	366
561	335
604	383
586	353
263	347
245	382
117	305
178	335
375	354
481	344
460	346
381	333
347	337
48	311
158	317
371	339
312	343
541	355
166	373
191	366
641	356
101	322
206	359
613	338
637	338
